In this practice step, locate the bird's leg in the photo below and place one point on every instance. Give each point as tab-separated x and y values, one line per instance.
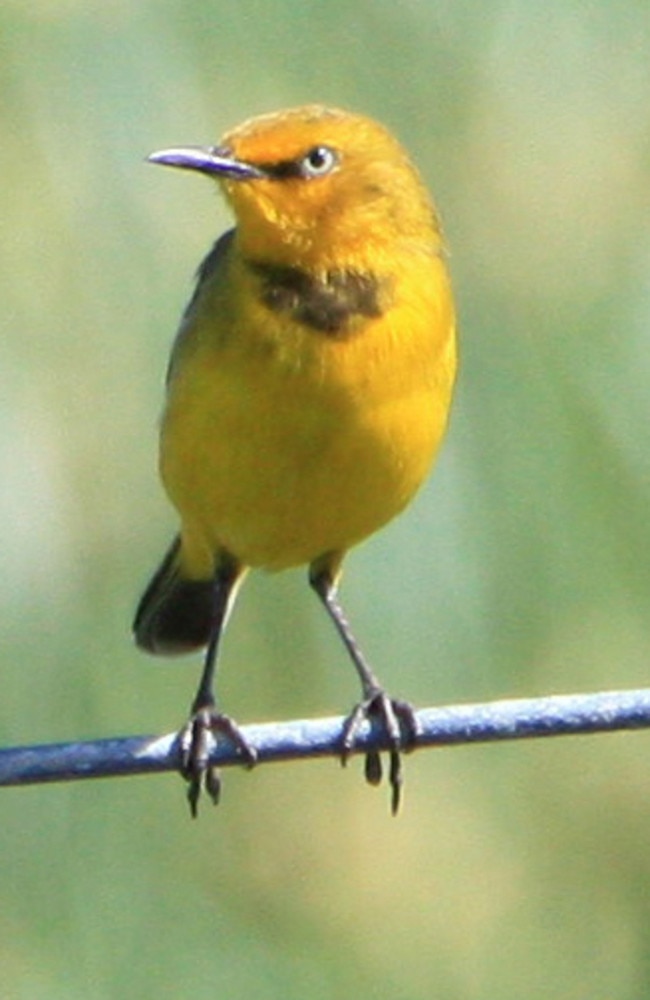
205	720
397	717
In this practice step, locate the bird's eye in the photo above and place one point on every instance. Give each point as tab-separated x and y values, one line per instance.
318	161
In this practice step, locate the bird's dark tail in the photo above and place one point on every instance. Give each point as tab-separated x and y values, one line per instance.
175	615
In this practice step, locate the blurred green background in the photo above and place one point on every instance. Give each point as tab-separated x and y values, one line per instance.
522	569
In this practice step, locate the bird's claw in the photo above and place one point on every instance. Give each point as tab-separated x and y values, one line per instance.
195	741
400	724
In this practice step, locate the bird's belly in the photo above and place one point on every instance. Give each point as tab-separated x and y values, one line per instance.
278	480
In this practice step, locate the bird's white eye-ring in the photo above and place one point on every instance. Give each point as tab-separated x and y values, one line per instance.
319	161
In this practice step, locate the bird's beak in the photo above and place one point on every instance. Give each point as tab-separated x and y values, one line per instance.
216	160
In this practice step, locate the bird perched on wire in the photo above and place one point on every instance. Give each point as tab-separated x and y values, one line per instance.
307	392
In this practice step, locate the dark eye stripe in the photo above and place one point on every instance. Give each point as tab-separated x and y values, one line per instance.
301	167
283	170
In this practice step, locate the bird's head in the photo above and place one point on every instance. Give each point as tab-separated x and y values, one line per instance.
316	185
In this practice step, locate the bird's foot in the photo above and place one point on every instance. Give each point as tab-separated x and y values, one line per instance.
401	727
195	741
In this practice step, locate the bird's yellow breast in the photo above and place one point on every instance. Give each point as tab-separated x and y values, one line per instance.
281	443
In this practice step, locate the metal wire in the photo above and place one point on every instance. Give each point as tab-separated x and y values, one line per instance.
277	741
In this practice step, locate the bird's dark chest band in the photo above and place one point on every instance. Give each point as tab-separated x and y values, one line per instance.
329	304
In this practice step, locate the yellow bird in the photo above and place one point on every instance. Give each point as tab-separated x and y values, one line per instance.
307	393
